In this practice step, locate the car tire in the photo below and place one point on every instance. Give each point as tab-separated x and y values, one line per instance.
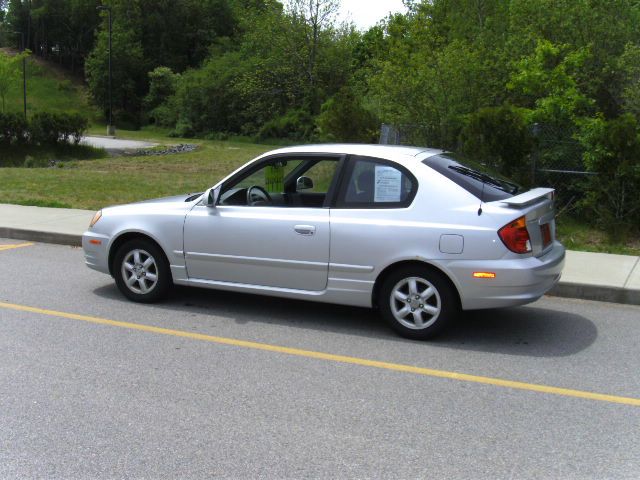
141	271
417	302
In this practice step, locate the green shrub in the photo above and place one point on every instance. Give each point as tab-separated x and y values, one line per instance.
159	102
43	129
294	125
184	129
612	150
74	126
344	119
207	99
52	129
499	137
13	129
34	162
217	136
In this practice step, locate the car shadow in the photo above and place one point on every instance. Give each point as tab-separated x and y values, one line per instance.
530	330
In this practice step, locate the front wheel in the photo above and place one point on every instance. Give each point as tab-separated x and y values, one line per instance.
141	271
417	302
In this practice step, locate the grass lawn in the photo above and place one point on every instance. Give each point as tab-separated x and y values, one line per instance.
92	184
576	235
50	89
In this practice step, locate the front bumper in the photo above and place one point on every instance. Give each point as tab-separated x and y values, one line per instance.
96	251
517	282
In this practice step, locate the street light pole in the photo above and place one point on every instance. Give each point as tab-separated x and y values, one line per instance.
24	73
111	129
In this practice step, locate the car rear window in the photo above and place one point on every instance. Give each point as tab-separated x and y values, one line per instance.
474	177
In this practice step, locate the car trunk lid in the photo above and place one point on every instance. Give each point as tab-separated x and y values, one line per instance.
537	206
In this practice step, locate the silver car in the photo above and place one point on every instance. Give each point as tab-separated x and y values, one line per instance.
411	231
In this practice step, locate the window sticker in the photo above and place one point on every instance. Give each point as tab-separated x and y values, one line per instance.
274	178
388	184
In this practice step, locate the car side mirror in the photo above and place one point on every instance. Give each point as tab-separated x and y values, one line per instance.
304	183
211	197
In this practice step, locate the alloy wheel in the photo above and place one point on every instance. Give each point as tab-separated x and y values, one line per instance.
415	303
139	271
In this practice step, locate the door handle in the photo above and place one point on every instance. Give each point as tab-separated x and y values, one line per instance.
305	229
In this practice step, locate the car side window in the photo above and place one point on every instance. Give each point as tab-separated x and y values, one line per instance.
282	182
321	175
372	183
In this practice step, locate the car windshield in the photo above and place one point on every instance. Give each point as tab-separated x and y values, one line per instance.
474	177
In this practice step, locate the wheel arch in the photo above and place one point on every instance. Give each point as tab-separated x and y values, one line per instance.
410	263
124	238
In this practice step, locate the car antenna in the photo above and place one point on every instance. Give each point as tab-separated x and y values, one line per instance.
481	198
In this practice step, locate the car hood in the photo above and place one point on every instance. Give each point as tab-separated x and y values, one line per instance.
176	203
175	199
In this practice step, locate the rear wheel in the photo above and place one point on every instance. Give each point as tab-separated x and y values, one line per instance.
417	302
141	271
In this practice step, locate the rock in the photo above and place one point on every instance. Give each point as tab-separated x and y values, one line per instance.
169	150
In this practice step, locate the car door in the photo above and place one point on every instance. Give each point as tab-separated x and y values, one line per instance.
275	240
371	223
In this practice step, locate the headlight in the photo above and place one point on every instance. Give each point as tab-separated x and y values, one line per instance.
95	218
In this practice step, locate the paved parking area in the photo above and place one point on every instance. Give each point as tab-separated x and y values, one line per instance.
212	383
109	143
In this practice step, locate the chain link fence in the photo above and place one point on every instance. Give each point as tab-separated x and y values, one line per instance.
406	135
555	161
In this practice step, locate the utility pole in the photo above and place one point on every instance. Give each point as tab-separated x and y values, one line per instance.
111	129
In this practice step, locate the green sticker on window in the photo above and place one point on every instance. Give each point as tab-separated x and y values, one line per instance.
274	179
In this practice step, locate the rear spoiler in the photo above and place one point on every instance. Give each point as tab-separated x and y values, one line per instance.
530	197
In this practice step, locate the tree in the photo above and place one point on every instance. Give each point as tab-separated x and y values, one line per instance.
152	33
601	27
9	74
3	8
309	18
261	82
129	69
500	138
443	77
162	87
547	82
629	65
344	119
613	152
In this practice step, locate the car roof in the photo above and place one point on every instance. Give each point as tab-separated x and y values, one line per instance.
401	154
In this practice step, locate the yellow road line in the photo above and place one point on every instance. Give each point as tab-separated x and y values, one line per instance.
16	245
334	358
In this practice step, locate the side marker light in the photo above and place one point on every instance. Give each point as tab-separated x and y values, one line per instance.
93	241
484	275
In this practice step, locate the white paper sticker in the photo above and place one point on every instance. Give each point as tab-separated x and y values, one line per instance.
388	184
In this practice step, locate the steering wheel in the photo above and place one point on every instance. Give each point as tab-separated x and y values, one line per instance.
256	194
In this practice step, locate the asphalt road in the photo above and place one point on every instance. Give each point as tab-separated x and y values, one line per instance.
172	391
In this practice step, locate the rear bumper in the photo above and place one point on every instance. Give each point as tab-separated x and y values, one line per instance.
517	281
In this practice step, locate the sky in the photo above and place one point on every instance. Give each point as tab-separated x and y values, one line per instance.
366	13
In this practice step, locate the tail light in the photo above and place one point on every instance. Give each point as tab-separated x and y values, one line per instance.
515	236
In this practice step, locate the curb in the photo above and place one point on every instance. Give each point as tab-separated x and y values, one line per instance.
44	237
599	293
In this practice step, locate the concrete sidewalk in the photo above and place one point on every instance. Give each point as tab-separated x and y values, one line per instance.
590	276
